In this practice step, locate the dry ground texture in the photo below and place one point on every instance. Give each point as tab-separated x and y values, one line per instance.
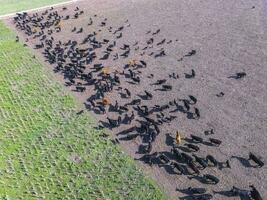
229	37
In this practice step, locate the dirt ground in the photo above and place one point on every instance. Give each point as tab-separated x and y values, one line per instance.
229	37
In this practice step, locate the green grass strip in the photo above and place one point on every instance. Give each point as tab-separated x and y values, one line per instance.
11	6
47	151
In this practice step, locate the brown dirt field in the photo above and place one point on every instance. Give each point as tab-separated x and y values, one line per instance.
228	37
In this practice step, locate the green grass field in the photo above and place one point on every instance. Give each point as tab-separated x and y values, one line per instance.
11	6
47	151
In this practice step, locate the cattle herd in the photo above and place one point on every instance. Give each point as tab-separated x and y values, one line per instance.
80	62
